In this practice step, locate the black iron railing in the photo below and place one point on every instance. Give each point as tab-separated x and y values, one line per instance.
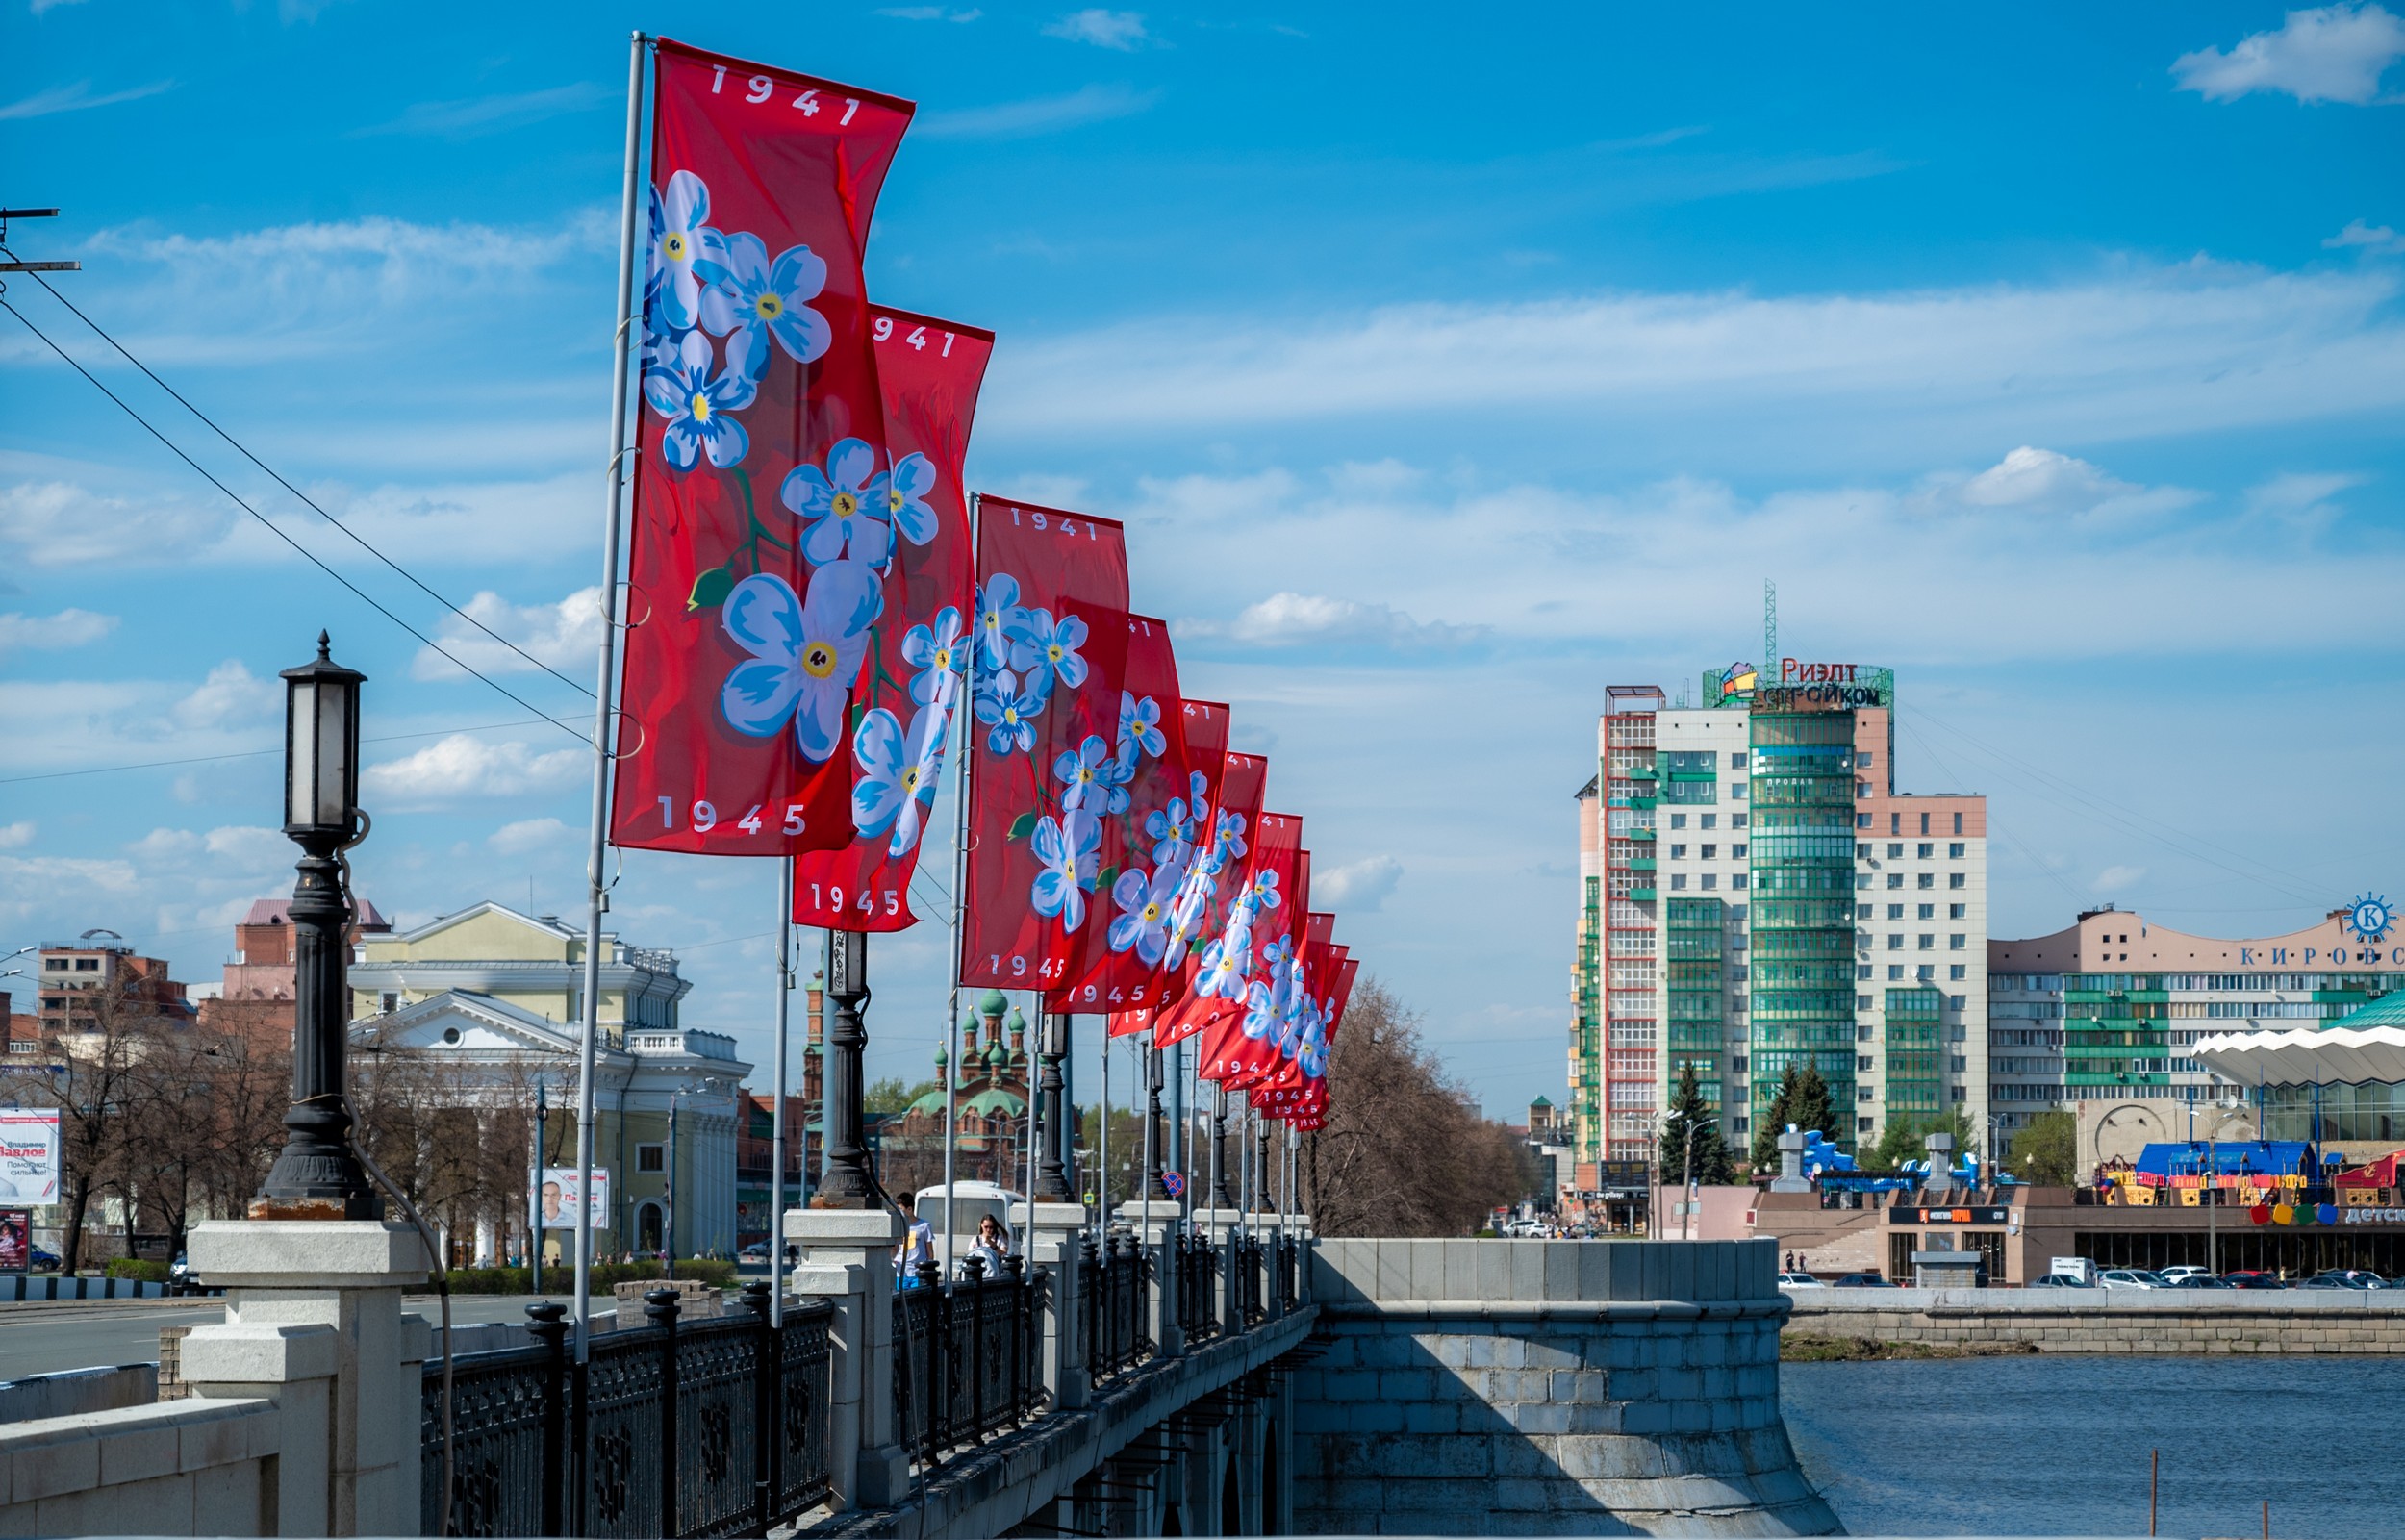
679	1429
1251	1264
1289	1258
1117	1297
968	1359
1197	1295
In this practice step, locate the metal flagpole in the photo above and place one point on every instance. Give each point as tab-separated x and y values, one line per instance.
947	1055
776	1116
1102	1149
596	854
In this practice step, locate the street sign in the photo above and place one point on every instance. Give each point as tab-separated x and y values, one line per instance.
1175	1183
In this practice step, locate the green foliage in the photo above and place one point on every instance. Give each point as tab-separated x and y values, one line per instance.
1899	1142
1802	1099
126	1267
1774	1120
1688	1113
891	1097
710	590
2046	1152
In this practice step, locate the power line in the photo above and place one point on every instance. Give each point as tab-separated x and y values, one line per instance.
1929	748
240	448
280	534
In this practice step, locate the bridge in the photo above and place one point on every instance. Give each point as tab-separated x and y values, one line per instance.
1216	1374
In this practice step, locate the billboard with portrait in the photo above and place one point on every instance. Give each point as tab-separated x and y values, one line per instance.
555	1198
29	1154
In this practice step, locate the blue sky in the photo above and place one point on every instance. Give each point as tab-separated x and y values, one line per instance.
1444	374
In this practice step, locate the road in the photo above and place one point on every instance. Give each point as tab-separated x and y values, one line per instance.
38	1339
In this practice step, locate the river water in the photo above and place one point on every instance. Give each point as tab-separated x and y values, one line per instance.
2057	1445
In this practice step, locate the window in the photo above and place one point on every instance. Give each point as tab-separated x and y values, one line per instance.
1954	852
1736	911
1924	823
1861	820
1677	882
1677	820
1712	853
1705	820
1959	1095
1862	973
389	1001
1955	971
1862	1126
1737	790
1954	943
1736	821
1861	789
1928	943
1895	973
1896	911
1861	879
1955	911
23	1045
1736	852
1958	1001
1864	1093
88	965
1744	1124
1863	1065
1895	879
1895	825
1896	852
1957	827
1737	881
1865	1034
1866	758
1928	911
1927	879
1736	762
1861	911
1895	941
1955	879
1925	974
1861	1002
1710	881
1862	852
1678	852
1924	850
650	1157
56	965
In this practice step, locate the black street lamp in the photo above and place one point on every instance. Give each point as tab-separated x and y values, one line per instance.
1051	1180
318	1175
844	1179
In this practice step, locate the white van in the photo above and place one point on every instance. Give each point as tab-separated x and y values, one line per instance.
972	1202
2079	1268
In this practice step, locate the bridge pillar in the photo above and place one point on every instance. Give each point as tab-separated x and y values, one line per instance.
1153	1220
1053	1232
848	1258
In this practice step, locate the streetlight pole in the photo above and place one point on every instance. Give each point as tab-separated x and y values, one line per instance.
534	1245
1052	1183
318	1175
844	1180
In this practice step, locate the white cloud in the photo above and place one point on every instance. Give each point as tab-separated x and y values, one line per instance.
2327	54
567	635
528	835
2042	481
1043	114
1123	30
929	14
1362	888
40	6
2118	879
1844	377
69	628
478	115
57	523
1291	620
229	697
75	98
461	767
2373	238
17	836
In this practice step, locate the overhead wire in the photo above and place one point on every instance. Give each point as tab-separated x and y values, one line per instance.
314	559
2018	843
273	475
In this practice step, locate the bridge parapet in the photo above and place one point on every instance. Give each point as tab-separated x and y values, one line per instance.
1531	1387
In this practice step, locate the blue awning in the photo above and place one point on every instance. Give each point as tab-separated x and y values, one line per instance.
2276	1157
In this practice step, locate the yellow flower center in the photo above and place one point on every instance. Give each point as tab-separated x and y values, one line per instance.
768	306
893	500
1054	651
944	660
1152	913
910	779
1010	716
673	247
701	407
1085	776
845	505
817	660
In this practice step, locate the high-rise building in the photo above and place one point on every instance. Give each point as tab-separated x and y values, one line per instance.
1758	895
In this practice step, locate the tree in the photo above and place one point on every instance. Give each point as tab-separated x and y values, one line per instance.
1774	1122
891	1097
1899	1142
1813	1108
1691	1142
2046	1152
1406	1151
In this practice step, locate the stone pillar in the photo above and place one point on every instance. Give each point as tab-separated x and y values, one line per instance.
1791	1177
1054	1233
313	1322
847	1258
1153	1220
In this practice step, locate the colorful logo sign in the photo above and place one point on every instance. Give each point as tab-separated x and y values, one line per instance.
1737	682
2370	918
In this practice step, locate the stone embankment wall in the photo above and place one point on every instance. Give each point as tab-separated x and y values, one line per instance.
2282	1321
1534	1387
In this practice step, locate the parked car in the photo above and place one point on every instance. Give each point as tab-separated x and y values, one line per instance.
2248	1279
2130	1277
1861	1280
2185	1270
2344	1278
2060	1280
1800	1280
2201	1280
757	1252
45	1261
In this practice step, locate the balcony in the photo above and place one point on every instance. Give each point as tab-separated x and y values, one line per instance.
1641	863
1642	895
1635	834
1637	772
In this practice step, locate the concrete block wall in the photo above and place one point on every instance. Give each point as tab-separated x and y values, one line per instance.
2173	1321
1512	1387
194	1467
76	1391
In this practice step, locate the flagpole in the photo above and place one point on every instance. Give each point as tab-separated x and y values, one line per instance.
1102	1150
596	854
776	1116
963	747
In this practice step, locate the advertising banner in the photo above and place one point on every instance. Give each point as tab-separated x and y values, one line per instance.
1052	646
764	517
17	1240
29	1154
556	1200
909	701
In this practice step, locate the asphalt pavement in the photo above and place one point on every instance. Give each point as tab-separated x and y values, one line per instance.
44	1338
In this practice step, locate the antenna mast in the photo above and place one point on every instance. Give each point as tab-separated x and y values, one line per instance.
1770	629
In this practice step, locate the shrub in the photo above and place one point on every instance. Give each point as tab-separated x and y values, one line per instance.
123	1267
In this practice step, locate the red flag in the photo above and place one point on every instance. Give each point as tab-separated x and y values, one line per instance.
1243	978
1149	840
761	522
1306	1094
1218	874
1050	651
1296	1006
909	699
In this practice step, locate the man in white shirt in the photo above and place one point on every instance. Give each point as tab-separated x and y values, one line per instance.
918	1243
